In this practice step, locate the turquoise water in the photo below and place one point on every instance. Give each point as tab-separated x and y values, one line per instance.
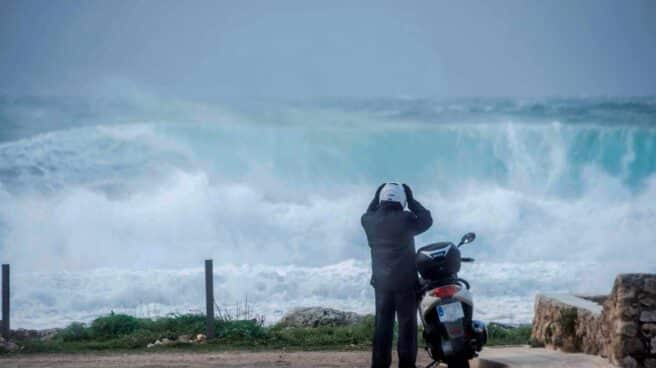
553	188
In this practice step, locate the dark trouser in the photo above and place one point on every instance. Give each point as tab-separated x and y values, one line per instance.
404	305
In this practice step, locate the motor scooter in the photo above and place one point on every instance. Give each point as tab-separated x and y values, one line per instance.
446	305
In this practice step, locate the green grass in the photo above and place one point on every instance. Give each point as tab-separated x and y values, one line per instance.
499	335
122	332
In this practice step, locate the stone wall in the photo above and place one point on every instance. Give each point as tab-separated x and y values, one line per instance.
568	323
630	314
623	329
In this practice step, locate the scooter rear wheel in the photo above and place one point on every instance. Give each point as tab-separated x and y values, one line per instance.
458	363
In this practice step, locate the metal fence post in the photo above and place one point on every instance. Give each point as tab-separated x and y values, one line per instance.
5	301
209	297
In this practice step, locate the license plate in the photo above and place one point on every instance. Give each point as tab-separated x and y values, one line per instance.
450	312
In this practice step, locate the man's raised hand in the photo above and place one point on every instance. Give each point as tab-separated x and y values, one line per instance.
408	193
377	196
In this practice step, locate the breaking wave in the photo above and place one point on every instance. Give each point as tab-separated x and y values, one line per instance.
118	210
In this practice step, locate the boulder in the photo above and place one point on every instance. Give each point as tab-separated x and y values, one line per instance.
319	316
185	339
9	346
49	334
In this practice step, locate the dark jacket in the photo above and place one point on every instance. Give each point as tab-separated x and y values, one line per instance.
390	232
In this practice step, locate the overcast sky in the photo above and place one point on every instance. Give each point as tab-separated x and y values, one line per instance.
206	49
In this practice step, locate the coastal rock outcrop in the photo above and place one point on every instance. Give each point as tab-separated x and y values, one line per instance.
319	316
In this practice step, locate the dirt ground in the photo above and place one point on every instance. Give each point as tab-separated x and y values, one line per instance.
491	358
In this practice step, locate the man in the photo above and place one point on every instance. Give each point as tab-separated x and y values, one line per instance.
390	231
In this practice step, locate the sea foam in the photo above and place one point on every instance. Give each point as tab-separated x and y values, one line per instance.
100	216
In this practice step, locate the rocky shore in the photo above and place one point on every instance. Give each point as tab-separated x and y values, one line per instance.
319	316
22	334
300	318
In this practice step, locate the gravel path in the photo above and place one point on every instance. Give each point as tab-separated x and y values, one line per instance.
491	358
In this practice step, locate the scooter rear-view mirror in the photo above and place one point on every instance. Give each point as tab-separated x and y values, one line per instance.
467	238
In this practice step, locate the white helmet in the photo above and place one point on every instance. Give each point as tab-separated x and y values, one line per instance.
393	192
